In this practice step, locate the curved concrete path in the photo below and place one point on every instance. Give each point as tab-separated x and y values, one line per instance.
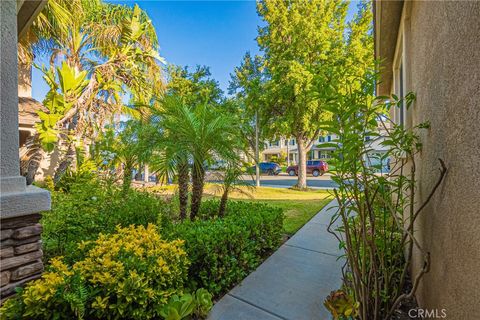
293	282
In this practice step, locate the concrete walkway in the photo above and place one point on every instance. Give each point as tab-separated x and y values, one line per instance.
293	282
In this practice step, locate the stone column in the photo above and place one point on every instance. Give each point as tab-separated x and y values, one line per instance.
20	245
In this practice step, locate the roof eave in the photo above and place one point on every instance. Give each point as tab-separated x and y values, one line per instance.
27	11
387	16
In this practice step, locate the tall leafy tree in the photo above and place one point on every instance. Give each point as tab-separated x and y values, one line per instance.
307	47
248	84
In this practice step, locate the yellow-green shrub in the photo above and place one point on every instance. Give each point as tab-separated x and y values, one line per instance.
130	274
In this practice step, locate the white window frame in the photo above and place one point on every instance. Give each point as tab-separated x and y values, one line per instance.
399	78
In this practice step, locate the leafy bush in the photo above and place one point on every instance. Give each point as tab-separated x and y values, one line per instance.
131	274
181	307
223	251
89	208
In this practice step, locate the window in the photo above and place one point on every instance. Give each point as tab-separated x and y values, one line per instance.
329	138
275	143
292	142
321	139
367	138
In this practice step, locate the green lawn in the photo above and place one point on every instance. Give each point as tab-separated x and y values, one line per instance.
299	206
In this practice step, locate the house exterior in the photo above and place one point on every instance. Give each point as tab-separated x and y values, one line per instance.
286	149
432	49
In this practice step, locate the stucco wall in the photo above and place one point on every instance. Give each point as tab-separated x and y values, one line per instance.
443	49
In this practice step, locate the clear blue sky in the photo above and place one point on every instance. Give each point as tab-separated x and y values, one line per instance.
212	33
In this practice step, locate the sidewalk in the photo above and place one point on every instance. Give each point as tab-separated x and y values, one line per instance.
293	282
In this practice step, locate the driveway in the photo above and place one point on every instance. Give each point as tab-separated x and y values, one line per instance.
285	181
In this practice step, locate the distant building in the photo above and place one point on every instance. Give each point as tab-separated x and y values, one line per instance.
287	150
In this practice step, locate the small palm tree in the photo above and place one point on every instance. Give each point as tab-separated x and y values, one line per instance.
193	137
232	182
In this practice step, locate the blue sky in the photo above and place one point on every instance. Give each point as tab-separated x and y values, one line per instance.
212	33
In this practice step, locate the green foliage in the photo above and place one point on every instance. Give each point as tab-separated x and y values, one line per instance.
130	274
103	51
194	88
376	211
66	85
182	307
178	307
309	49
191	134
248	84
90	207
223	251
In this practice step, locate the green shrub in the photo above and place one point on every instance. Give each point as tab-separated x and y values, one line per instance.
223	251
92	207
131	274
183	307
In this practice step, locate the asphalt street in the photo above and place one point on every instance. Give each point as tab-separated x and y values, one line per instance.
285	181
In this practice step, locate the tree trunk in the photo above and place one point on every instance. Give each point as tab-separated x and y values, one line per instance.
31	154
257	152
198	176
127	178
182	170
302	162
67	161
223	203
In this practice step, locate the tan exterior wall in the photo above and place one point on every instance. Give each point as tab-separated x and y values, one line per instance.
442	67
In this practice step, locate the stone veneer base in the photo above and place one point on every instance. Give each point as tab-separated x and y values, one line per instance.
20	252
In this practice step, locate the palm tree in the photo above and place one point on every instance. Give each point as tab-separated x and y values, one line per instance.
124	149
116	46
193	137
232	182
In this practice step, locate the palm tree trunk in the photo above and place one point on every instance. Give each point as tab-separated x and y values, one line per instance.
68	159
223	203
198	176
183	189
127	178
31	155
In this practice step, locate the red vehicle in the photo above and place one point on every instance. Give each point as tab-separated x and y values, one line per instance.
314	167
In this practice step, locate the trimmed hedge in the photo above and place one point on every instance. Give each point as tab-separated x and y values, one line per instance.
223	251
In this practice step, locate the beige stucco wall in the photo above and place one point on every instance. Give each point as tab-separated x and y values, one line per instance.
443	69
